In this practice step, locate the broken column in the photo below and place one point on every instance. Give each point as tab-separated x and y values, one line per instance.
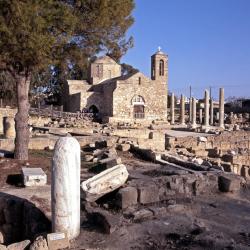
65	187
105	182
172	108
182	110
193	112
211	112
200	115
221	108
206	104
9	127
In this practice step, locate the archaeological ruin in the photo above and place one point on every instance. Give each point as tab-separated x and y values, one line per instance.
149	175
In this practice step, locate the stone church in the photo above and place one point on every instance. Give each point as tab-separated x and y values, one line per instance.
121	98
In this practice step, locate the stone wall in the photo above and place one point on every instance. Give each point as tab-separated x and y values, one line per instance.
5	112
225	141
154	94
134	133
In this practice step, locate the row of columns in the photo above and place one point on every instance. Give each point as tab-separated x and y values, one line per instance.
208	110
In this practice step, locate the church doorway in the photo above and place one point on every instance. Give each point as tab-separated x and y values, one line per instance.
139	111
94	111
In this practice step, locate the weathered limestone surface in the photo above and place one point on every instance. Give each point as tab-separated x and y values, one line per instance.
206	119
126	197
9	127
221	108
200	115
172	109
5	112
57	241
193	112
19	245
105	182
40	243
34	177
190	109
211	112
182	110
65	187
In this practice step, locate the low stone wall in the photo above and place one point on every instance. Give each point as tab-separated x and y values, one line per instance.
134	133
40	143
224	141
5	112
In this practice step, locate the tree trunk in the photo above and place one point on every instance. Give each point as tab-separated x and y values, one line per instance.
21	118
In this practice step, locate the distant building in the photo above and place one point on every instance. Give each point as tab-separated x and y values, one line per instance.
116	98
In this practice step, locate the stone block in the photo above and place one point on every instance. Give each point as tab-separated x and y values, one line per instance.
123	147
127	197
229	183
142	215
34	177
111	162
57	241
105	182
3	247
1	237
148	194
19	245
40	243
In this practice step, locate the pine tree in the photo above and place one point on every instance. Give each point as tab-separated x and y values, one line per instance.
38	33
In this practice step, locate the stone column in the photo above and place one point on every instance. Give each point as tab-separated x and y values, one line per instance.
190	109
9	127
65	187
211	112
193	112
221	108
200	115
182	110
172	108
206	103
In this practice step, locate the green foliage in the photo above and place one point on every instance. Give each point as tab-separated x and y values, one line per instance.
33	33
38	35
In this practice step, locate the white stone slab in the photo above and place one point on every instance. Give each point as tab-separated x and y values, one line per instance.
34	177
105	182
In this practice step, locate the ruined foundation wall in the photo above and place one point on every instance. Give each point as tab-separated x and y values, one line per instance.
6	112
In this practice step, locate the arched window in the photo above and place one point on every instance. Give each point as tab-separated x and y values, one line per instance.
138	107
98	70
137	99
161	73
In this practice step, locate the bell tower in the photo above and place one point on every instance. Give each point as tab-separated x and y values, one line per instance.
159	67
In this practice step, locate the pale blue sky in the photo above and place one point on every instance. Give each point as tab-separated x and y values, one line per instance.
207	41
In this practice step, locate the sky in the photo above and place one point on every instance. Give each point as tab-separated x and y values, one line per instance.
207	42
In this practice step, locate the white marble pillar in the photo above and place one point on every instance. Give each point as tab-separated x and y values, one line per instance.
193	112
211	112
200	115
206	104
182	110
190	110
221	108
172	109
65	187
